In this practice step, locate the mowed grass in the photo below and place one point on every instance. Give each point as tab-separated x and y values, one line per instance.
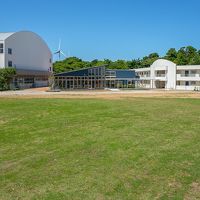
99	149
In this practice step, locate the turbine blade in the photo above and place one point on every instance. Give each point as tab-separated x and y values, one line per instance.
63	54
59	46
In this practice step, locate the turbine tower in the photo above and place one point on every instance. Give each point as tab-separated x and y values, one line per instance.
59	51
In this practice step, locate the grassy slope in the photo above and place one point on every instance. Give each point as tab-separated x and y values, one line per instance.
99	149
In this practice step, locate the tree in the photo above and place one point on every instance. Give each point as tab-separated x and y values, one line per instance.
94	62
195	60
171	54
107	61
136	63
147	61
181	57
119	64
190	52
6	74
153	55
186	55
71	63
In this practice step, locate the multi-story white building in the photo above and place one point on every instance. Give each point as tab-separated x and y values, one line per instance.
166	74
29	55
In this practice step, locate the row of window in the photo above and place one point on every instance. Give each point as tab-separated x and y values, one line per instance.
188	83
96	71
2	49
145	73
111	73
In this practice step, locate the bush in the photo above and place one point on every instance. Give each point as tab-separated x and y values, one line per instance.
6	74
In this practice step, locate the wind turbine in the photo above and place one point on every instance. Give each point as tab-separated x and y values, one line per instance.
59	51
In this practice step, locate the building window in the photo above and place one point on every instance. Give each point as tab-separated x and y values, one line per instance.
111	73
193	83
10	51
9	63
1	47
50	60
28	80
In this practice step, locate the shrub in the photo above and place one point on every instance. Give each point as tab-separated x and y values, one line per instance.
6	74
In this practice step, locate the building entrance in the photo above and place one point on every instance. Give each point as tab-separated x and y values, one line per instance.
160	84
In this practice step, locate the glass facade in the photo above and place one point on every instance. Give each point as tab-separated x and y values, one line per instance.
95	78
91	78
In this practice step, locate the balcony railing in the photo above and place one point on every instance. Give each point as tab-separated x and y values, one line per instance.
160	75
189	75
144	76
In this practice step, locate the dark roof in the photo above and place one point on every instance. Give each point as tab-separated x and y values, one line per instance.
80	72
120	73
24	72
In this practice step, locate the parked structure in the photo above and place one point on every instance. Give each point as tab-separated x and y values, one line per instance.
166	74
95	78
29	55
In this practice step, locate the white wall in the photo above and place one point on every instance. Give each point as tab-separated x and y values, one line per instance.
2	57
169	67
182	87
29	52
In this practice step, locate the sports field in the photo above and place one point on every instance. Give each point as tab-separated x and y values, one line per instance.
130	148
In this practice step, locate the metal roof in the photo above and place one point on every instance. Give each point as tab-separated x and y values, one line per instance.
4	36
78	72
25	72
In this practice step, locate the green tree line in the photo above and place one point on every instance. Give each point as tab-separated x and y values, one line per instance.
184	56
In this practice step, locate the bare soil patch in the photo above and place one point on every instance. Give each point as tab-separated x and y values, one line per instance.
98	94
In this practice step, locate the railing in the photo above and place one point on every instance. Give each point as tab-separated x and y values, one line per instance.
144	76
160	75
189	75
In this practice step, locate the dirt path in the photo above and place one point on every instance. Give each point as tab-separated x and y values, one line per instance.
102	94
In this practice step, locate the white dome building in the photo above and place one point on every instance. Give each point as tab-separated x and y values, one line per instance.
29	55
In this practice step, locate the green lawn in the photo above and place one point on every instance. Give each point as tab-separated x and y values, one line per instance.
100	149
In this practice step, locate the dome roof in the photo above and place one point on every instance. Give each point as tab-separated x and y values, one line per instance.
161	62
4	36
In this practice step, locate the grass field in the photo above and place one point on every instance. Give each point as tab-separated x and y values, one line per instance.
140	148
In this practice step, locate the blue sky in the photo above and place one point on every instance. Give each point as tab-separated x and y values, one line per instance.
114	29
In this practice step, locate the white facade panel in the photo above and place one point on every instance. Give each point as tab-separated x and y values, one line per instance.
2	60
2	56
